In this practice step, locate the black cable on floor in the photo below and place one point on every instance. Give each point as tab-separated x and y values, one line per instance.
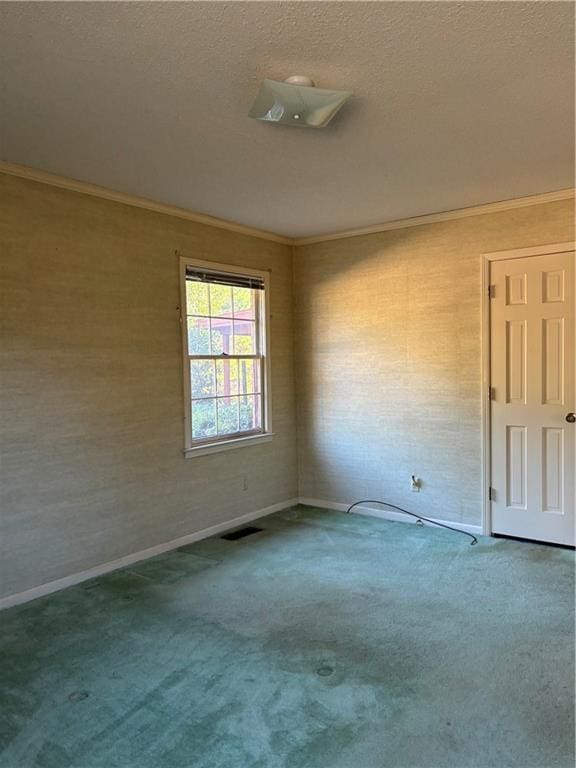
412	514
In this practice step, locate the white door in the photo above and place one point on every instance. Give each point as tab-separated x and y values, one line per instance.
533	434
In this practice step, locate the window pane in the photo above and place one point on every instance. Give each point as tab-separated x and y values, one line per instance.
203	418
227	415
220	300
222	323
248	376
244	337
202	381
250	413
198	336
222	330
227	377
244	303
196	298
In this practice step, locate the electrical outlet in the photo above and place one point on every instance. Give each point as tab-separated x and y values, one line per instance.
414	484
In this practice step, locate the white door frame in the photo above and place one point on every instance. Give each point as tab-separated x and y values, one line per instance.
486	258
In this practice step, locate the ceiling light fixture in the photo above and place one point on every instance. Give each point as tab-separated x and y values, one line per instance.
297	101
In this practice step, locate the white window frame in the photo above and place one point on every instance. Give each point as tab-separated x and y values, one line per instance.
236	440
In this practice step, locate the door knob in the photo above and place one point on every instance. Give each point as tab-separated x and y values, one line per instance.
571	418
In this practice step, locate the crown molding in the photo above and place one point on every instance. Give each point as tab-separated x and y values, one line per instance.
431	218
84	188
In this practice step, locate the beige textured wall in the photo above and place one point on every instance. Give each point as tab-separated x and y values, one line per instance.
388	362
388	359
92	434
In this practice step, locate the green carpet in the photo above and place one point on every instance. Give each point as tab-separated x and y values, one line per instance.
325	641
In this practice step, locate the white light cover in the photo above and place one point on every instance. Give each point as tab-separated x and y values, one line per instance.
296	104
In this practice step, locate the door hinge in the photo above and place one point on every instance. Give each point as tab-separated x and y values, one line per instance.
491	291
492	393
491	494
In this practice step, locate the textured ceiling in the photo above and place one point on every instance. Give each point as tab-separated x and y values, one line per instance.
455	104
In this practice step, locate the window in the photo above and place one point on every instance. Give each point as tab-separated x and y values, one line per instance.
226	356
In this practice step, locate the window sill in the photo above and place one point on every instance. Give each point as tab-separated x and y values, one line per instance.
226	445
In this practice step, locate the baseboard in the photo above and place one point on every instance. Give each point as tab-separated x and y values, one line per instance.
122	562
387	514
